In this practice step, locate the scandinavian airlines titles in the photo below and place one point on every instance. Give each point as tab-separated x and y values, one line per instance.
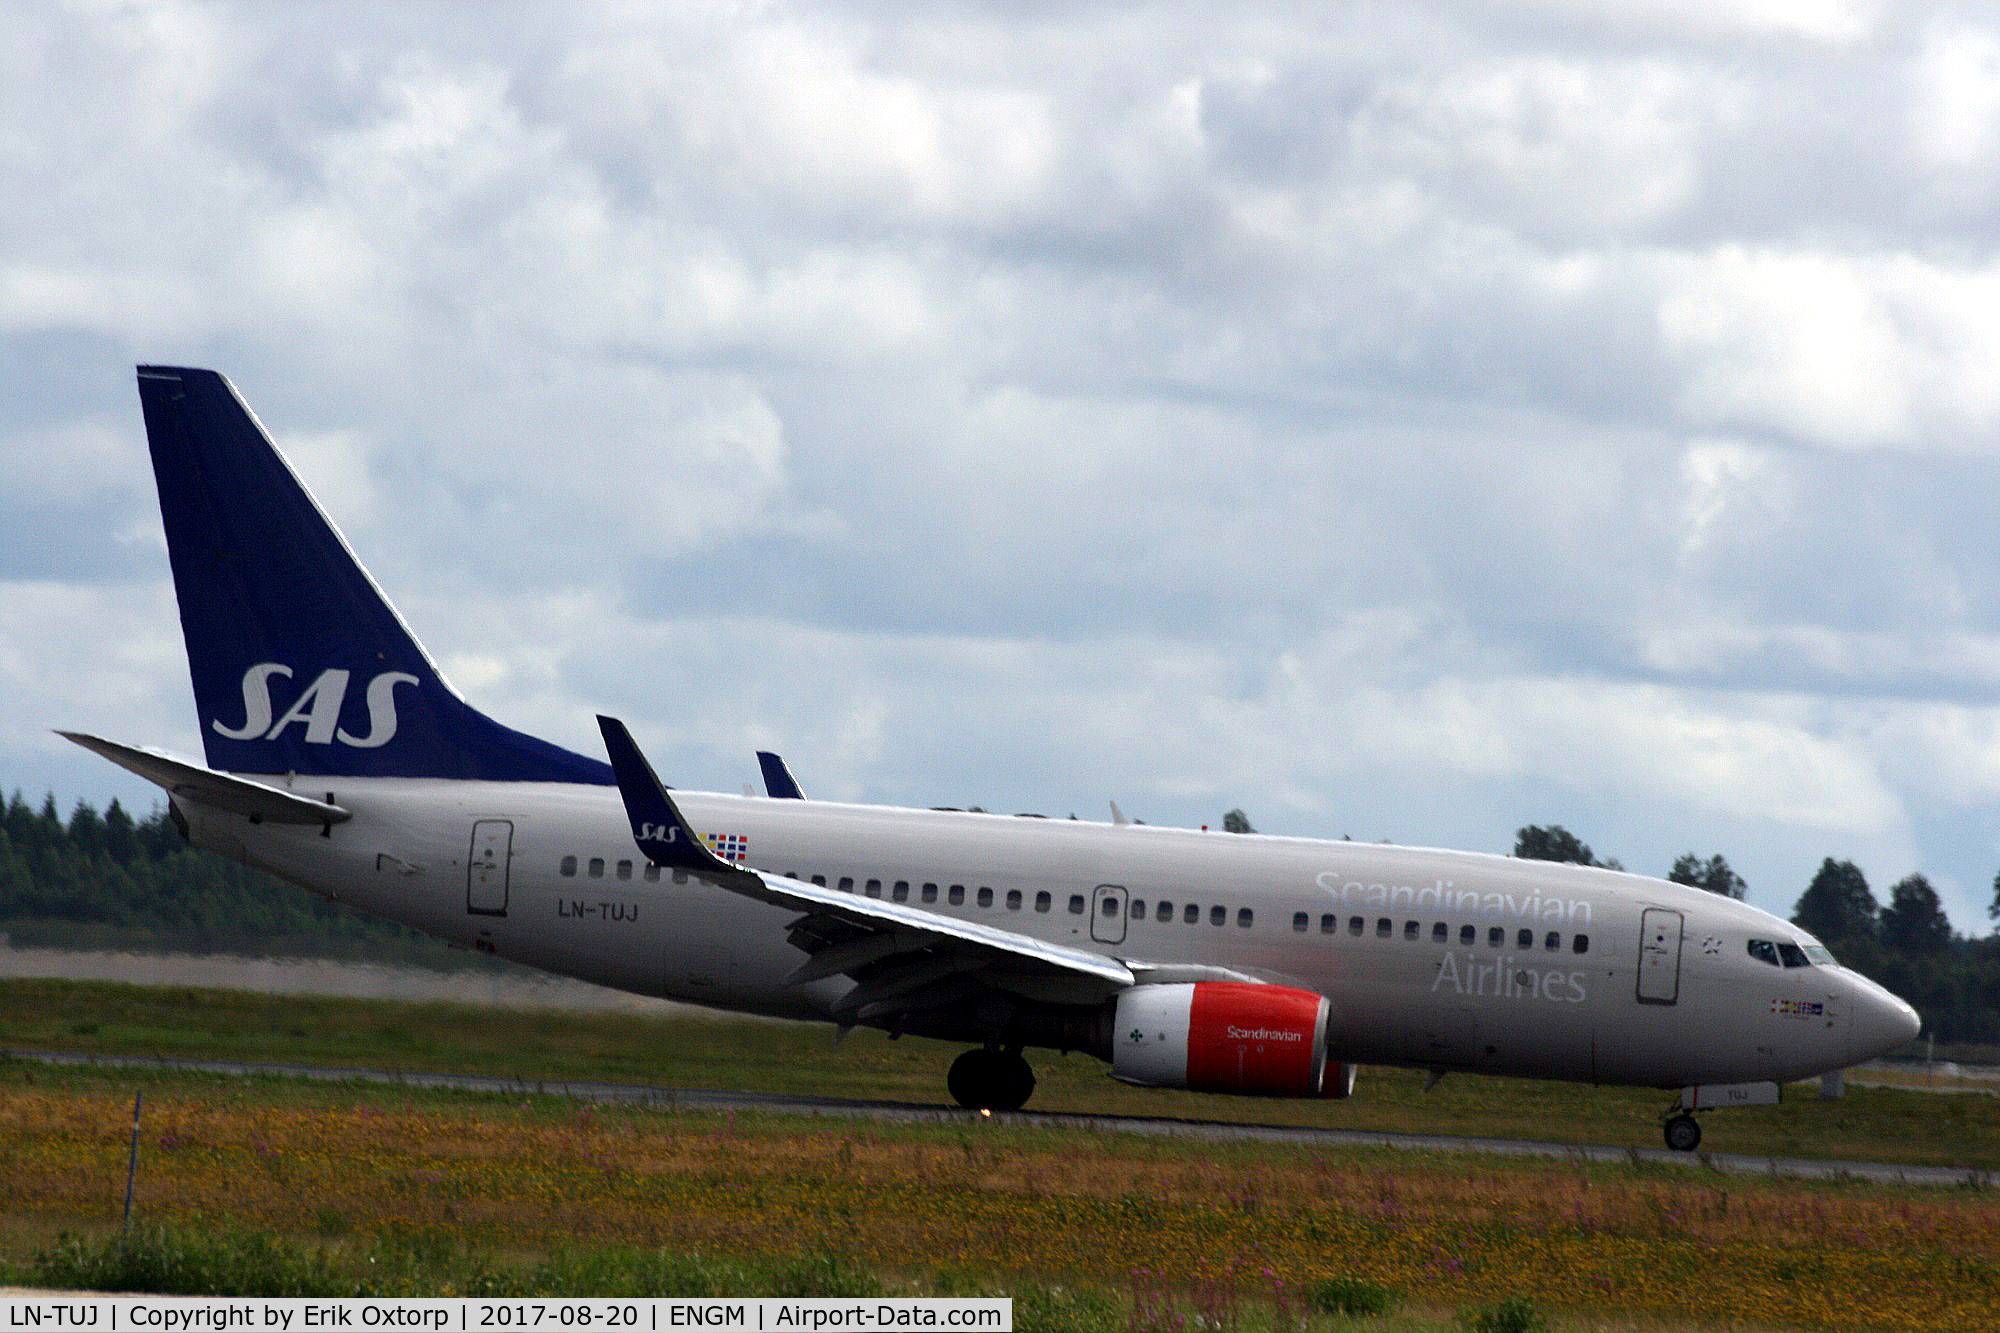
1465	973
1443	897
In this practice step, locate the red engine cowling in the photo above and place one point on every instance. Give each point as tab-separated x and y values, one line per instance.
1225	1036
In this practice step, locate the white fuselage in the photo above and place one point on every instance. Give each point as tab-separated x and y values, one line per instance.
1434	959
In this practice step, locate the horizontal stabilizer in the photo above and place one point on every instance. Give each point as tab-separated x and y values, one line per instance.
205	786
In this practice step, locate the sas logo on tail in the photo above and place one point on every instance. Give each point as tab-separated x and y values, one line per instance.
317	708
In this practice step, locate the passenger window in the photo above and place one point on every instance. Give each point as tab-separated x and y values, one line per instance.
1013	900
1328	923
1219	914
930	893
1138	912
820	880
1495	937
1300	920
1468	935
1244	918
957	895
624	870
568	870
653	874
986	897
901	891
1384	927
1553	941
1764	952
1163	911
1525	940
1076	904
1580	945
1190	915
847	883
1355	925
874	888
1440	933
1042	901
597	867
1411	930
1793	955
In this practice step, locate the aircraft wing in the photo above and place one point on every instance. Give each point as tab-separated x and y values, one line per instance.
225	791
902	958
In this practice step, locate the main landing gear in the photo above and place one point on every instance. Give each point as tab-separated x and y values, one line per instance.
990	1079
1683	1131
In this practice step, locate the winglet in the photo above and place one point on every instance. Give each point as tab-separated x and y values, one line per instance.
658	826
778	780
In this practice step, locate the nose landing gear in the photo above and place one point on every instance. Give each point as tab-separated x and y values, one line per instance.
1683	1134
990	1079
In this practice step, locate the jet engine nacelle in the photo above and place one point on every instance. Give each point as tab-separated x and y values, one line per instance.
1226	1036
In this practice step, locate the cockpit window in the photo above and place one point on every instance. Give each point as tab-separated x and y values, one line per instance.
1764	952
1818	953
1793	955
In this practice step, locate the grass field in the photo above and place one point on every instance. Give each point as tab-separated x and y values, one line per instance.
456	1191
701	1051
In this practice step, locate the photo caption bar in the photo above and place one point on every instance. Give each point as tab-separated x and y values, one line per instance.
55	1313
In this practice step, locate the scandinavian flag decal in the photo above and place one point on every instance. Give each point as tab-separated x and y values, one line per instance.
731	847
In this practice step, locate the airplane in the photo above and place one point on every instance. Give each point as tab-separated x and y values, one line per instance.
338	757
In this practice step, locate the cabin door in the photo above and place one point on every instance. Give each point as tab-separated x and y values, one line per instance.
486	867
1659	956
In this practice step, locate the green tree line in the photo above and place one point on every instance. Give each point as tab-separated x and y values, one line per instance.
110	880
1908	944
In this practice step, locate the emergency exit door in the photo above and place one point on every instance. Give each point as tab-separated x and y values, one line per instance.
1107	914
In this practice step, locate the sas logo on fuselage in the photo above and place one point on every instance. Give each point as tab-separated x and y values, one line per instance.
317	708
731	847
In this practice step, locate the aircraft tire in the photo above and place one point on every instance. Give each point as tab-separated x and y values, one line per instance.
983	1080
1017	1082
969	1078
1683	1133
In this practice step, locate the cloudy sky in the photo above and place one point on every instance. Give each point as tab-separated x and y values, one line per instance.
1408	420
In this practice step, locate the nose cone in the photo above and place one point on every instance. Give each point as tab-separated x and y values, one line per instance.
1881	1022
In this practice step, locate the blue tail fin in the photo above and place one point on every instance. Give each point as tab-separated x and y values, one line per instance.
300	664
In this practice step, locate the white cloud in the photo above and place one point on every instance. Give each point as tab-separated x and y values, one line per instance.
1837	22
800	110
1841	350
1550	143
1956	111
1412	421
132	683
1729	487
